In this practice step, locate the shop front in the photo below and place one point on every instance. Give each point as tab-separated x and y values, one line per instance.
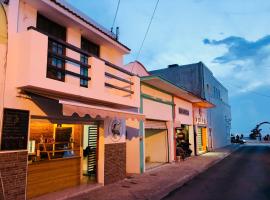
157	106
200	125
183	125
202	139
82	144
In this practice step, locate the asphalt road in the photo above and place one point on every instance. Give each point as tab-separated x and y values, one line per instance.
244	175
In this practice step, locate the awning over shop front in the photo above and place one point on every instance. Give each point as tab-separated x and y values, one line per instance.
70	108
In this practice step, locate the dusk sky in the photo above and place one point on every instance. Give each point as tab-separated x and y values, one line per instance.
230	36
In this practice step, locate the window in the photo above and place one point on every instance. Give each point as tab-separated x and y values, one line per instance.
56	66
216	93
91	48
84	71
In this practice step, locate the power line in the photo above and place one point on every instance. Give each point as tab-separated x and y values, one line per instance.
148	28
146	33
116	12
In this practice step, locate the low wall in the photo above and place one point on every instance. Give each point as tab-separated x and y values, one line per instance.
115	162
13	167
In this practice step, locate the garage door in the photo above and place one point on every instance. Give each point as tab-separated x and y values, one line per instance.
156	142
151	124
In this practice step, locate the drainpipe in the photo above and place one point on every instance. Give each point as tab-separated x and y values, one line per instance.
174	130
194	132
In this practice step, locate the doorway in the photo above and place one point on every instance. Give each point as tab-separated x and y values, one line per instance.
156	147
201	139
90	153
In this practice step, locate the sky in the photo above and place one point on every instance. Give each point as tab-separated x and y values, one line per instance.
230	36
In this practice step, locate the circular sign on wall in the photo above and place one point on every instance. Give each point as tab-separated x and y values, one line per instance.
115	130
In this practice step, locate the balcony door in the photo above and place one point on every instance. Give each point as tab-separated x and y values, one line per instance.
56	65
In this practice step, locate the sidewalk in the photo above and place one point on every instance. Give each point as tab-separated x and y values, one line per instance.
157	183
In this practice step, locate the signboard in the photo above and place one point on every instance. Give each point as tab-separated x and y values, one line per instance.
201	120
116	129
15	129
183	111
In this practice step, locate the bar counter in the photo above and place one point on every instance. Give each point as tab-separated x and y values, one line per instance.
52	175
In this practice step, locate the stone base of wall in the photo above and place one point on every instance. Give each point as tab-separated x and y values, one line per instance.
13	167
115	162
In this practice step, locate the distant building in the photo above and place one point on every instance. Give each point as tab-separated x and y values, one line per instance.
199	80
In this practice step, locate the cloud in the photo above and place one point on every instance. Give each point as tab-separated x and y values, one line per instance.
241	49
248	62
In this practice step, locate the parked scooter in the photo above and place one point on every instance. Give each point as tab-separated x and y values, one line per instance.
185	146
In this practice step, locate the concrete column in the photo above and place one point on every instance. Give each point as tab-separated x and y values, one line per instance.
101	154
74	38
170	140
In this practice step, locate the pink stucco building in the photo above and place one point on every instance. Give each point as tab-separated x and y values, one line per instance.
72	113
69	111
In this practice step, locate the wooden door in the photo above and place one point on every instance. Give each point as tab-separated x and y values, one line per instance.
204	139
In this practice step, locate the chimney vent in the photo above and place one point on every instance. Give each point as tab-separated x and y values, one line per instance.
173	65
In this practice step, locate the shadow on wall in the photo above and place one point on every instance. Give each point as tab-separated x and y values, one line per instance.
132	133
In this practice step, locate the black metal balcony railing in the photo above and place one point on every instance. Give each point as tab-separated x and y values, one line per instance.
64	58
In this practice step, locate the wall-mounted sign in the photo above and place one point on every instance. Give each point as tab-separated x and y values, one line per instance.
200	120
15	129
183	111
115	130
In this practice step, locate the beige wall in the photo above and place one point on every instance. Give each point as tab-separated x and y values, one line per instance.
170	128
183	119
28	15
155	93
164	111
156	145
133	146
110	54
191	139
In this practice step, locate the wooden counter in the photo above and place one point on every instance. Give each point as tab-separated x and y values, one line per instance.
54	175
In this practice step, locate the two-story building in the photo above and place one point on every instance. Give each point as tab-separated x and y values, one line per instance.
169	110
70	110
199	80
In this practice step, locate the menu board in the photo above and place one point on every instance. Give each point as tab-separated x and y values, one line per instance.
15	129
63	134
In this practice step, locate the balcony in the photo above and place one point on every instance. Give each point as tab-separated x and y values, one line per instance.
38	70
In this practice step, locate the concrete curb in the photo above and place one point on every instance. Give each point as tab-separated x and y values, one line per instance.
187	178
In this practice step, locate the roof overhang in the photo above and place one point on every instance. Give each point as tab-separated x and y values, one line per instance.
69	17
181	93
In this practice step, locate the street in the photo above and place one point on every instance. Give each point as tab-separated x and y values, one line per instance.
244	175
